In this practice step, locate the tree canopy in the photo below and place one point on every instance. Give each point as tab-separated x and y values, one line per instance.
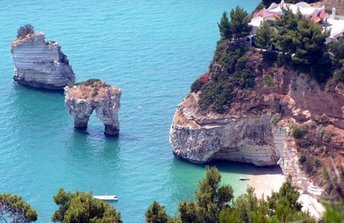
14	209
80	207
239	23
280	207
265	36
211	197
224	27
237	26
156	213
302	45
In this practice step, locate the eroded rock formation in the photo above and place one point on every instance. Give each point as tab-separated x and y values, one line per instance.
40	64
246	131
258	127
82	99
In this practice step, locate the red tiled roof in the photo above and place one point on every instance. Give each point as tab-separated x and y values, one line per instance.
259	13
323	15
315	19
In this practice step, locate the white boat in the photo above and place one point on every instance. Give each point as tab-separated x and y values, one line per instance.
244	178
106	197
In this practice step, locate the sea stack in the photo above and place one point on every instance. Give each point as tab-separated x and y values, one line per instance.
39	63
90	95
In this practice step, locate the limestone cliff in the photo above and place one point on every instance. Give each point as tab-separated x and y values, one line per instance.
259	125
90	95
40	64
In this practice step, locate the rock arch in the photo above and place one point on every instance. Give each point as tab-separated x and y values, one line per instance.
93	94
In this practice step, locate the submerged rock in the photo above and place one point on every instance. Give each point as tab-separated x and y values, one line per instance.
93	94
40	64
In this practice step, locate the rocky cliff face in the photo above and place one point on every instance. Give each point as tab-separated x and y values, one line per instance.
84	98
40	64
245	139
259	127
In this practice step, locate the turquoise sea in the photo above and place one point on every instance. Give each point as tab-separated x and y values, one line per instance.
152	50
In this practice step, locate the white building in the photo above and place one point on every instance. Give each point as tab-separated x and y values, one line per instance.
331	22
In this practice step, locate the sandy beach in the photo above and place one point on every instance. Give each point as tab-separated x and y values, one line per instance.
268	179
265	180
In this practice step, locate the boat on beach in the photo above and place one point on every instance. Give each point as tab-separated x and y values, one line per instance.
244	178
106	197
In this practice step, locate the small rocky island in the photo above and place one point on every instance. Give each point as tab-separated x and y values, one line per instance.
90	95
39	63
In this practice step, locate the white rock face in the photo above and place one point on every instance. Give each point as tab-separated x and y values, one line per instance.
40	64
91	95
248	140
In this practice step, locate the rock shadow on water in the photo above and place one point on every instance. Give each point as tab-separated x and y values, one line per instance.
92	143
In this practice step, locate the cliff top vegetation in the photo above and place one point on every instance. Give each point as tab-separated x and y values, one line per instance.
94	89
293	42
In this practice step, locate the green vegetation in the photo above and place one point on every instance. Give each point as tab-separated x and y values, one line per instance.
337	48
310	164
25	30
14	209
281	206
265	36
156	213
302	159
302	44
225	27
239	23
217	94
82	207
298	132
214	204
335	193
237	27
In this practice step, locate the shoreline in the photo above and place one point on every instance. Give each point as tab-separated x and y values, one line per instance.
266	180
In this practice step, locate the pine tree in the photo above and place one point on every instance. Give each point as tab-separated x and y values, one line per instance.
239	23
82	207
265	36
210	199
14	209
224	27
156	213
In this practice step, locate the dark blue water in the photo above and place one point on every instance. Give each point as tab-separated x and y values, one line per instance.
152	50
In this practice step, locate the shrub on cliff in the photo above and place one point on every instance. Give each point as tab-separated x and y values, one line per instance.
298	132
228	72
82	207
25	30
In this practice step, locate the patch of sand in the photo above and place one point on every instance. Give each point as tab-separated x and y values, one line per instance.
265	180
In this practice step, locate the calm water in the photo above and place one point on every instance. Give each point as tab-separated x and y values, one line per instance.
152	50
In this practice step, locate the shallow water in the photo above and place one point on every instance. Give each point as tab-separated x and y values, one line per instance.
152	50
